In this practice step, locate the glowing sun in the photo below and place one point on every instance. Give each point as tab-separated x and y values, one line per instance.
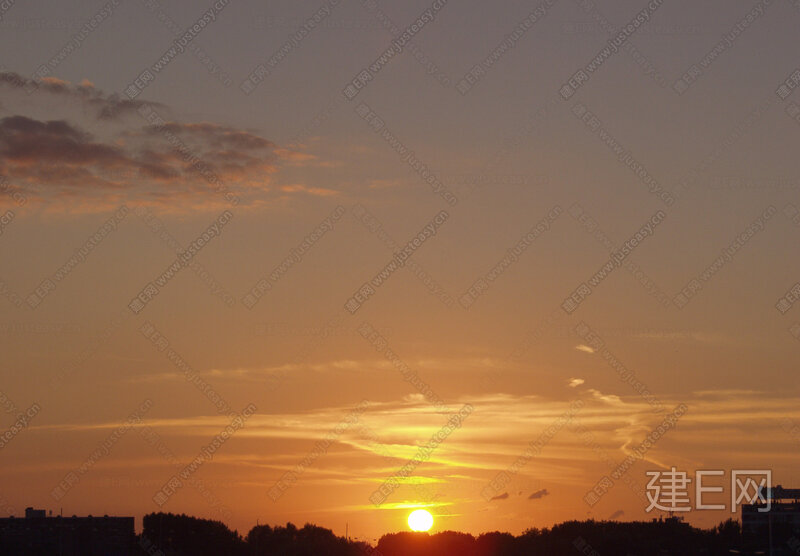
420	520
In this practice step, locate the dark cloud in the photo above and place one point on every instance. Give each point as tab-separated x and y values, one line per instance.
238	154
146	159
618	513
25	140
538	494
499	497
218	136
57	159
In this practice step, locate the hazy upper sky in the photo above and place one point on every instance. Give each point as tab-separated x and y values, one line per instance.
677	151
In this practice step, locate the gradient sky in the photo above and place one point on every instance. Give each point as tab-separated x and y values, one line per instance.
74	149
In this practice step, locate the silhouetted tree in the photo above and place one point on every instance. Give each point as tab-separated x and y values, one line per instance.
495	543
182	535
311	540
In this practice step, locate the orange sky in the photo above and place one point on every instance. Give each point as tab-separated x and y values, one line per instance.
481	219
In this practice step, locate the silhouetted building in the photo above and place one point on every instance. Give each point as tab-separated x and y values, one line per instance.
39	535
31	513
776	531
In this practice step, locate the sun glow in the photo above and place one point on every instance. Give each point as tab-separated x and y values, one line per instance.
420	520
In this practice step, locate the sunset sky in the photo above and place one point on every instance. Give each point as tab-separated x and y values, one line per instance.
287	178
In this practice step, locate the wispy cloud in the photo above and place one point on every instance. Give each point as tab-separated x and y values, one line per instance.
104	106
389	433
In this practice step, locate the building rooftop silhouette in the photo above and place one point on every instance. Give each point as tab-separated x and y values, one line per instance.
771	529
37	534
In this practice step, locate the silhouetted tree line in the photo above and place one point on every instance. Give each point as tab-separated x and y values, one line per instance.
592	538
181	535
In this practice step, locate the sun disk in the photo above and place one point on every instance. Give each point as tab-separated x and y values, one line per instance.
420	520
